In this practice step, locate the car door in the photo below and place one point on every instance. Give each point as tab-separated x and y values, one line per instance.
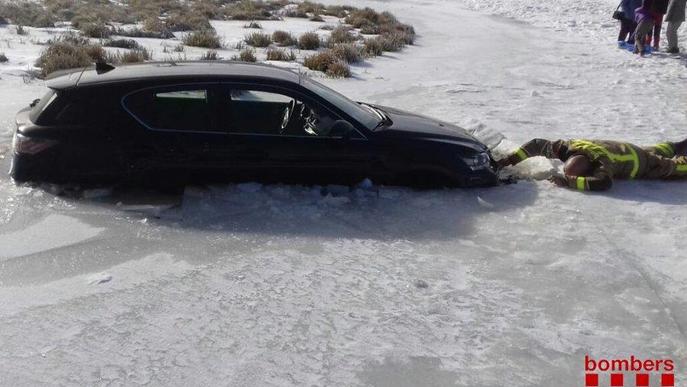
180	125
259	147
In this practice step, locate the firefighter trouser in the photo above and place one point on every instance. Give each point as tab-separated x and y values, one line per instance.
660	167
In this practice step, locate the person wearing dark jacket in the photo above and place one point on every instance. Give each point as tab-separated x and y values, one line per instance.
591	165
674	17
627	22
659	8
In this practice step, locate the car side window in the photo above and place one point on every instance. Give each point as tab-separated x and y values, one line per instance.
252	111
177	109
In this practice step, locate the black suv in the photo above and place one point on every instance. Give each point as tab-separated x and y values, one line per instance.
201	122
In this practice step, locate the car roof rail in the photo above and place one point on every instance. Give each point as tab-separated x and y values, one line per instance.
103	67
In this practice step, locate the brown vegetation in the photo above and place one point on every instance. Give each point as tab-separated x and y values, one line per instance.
339	70
95	30
258	39
283	38
210	55
72	52
342	34
26	13
203	38
348	52
280	55
246	55
129	44
309	41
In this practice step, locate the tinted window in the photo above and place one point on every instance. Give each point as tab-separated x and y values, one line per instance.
72	113
256	112
43	103
182	109
252	111
71	108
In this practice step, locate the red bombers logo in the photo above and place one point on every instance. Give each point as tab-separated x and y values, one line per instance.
628	372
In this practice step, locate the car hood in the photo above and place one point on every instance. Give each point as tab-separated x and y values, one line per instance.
410	125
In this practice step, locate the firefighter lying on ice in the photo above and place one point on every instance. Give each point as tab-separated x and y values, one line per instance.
591	165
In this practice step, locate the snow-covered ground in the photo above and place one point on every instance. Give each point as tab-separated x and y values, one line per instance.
285	285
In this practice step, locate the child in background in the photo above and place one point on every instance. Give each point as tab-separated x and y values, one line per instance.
646	19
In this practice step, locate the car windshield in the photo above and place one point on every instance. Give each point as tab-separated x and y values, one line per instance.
368	117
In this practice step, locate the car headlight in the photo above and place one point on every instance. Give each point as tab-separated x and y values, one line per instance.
477	161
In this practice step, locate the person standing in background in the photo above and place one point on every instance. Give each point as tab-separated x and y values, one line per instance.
645	18
660	7
674	17
627	23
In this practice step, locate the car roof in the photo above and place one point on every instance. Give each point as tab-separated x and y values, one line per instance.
164	70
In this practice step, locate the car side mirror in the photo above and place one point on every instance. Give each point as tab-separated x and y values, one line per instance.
342	129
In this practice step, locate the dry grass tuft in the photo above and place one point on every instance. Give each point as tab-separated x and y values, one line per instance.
280	55
253	24
154	24
246	55
84	12
283	38
132	56
203	38
342	34
210	55
391	43
320	61
373	47
310	7
96	30
251	10
129	44
295	12
337	10
339	70
393	35
348	52
27	13
190	21
139	33
65	55
329	63
258	39
72	51
309	41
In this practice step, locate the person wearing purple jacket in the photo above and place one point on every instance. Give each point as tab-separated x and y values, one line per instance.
646	19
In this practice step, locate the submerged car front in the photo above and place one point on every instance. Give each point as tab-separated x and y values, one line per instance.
436	148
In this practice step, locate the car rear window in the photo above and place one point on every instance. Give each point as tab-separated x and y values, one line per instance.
182	109
42	104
